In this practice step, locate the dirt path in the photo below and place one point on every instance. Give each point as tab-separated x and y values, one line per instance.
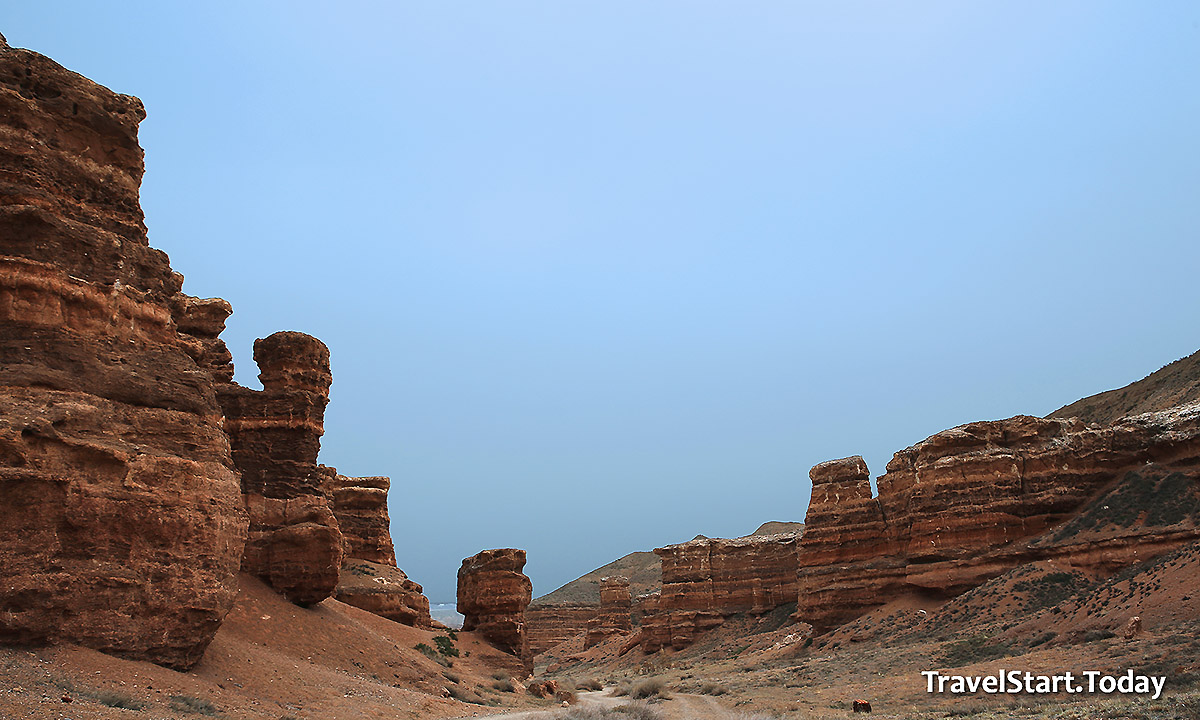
680	707
599	698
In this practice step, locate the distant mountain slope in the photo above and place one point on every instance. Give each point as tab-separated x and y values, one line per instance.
1175	384
642	568
774	527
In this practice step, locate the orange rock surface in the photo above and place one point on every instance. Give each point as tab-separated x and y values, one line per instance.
492	596
970	503
122	525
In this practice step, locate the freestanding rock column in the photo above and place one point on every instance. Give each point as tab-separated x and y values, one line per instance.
121	521
614	615
492	596
294	542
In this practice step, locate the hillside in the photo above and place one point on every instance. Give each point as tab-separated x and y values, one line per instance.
1175	384
642	568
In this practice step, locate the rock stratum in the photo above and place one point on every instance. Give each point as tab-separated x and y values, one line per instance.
972	502
136	477
369	578
123	524
707	579
492	596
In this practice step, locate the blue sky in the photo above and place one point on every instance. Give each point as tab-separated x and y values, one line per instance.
597	277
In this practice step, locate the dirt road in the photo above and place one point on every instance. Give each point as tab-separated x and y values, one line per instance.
680	707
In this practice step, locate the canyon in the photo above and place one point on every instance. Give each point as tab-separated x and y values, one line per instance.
155	508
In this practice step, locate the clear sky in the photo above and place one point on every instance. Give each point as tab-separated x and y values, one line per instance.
597	277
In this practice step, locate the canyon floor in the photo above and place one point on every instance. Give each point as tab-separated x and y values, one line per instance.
270	660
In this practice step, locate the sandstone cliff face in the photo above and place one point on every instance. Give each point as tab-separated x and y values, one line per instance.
369	578
360	505
384	590
707	579
492	596
613	617
294	543
547	625
971	502
123	524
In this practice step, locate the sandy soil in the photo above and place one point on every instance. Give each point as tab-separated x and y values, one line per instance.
270	660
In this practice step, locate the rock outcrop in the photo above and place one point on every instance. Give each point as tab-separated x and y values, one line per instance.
384	590
360	505
970	503
294	543
123	523
492	596
549	624
369	578
707	579
613	616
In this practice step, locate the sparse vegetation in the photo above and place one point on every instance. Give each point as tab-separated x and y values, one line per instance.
711	688
632	711
191	704
650	688
590	684
445	646
972	650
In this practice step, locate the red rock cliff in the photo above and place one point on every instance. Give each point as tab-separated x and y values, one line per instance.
971	502
613	615
707	579
122	525
369	578
294	544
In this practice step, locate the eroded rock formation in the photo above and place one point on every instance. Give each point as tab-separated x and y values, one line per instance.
613	616
294	543
707	579
548	624
122	524
360	504
970	503
369	578
492	596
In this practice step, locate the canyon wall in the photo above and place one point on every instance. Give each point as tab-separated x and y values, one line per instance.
707	579
123	523
613	615
548	624
492	596
137	478
972	502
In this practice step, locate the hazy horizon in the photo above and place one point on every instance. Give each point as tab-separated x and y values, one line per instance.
597	278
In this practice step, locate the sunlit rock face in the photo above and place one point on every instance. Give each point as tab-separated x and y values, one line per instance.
294	543
492	596
707	579
971	502
123	525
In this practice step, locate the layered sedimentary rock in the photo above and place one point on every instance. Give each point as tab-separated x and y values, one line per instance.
613	616
122	526
492	596
369	578
548	624
384	590
971	502
294	543
706	580
360	504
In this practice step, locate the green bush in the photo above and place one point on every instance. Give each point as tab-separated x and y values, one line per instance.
445	646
